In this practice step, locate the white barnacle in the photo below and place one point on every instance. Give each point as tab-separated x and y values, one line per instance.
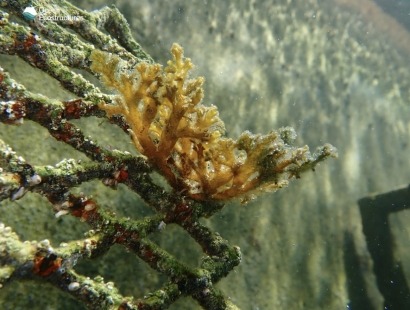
161	225
18	194
6	231
109	285
49	168
87	281
66	204
45	244
90	233
34	180
19	121
87	246
73	286
61	213
99	279
89	206
110	300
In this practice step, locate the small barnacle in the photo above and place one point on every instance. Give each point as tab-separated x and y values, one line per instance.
6	231
109	285
161	225
12	112
89	205
109	300
45	243
73	286
121	175
87	281
90	233
206	292
18	194
62	208
110	182
118	176
99	279
61	213
49	168
35	179
87	247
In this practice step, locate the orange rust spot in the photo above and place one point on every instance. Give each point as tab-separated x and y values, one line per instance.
46	265
73	108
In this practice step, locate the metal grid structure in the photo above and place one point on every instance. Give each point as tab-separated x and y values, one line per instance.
56	46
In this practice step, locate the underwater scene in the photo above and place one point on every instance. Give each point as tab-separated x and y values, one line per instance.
205	154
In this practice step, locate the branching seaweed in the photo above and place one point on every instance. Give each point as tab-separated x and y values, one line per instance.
184	139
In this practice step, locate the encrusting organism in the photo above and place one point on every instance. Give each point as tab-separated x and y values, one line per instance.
185	140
